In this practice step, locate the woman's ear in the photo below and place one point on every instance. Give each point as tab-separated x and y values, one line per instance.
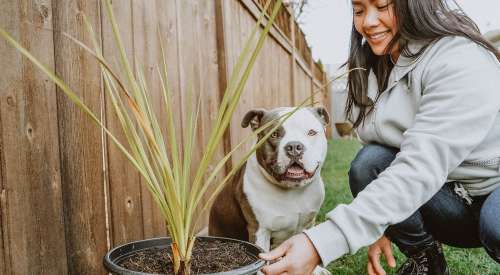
253	118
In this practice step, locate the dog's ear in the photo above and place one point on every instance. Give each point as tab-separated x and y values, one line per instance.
322	114
253	118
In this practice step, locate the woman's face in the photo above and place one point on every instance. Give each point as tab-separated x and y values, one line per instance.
376	22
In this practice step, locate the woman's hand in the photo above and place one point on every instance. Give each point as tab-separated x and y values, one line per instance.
382	245
298	257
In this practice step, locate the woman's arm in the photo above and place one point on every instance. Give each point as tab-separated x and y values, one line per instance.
460	102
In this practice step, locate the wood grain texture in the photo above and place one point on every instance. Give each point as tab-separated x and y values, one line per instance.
199	70
147	59
80	139
3	210
167	20
124	179
304	86
30	196
223	73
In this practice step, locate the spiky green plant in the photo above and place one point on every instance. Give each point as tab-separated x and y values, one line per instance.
167	174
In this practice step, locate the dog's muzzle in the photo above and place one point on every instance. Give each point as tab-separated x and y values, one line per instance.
296	172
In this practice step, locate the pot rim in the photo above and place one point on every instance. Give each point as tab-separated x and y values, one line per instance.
110	259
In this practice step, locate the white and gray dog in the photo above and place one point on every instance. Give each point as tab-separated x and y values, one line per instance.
279	191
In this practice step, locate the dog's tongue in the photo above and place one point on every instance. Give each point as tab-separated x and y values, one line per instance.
295	171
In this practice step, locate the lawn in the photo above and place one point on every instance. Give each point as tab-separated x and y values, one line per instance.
340	154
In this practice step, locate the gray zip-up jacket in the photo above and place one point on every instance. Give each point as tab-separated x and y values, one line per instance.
442	111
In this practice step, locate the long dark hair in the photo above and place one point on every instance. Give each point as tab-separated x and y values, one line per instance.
416	20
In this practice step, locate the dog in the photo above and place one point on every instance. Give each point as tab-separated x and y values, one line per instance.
279	190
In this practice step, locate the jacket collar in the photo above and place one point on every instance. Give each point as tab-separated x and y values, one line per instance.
403	66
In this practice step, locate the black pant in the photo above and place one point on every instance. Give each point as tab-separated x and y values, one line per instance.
446	217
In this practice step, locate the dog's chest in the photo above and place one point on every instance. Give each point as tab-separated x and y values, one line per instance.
283	212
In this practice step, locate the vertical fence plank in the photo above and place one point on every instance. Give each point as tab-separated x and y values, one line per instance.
238	32
3	224
209	68
300	85
80	139
4	260
293	61
147	55
286	88
124	180
166	13
222	47
31	202
170	36
197	23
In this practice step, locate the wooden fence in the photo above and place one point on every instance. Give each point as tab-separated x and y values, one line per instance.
66	194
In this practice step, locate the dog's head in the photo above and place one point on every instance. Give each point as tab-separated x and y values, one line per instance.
294	154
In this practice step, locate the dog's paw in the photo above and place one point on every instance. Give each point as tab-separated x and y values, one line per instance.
321	271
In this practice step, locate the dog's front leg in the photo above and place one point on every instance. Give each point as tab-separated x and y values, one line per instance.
263	239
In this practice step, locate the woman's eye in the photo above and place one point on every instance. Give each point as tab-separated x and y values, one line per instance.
384	6
358	12
312	133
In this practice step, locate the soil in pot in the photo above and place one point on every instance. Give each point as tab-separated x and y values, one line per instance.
208	257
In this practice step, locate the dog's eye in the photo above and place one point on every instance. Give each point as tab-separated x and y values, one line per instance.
312	133
274	134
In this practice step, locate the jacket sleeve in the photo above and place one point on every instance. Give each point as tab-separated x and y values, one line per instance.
460	101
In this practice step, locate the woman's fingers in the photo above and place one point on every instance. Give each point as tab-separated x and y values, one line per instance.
298	257
382	245
375	261
278	267
387	250
279	251
370	269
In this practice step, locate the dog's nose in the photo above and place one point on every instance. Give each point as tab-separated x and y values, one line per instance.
294	149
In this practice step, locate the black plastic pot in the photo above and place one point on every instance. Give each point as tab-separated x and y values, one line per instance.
120	253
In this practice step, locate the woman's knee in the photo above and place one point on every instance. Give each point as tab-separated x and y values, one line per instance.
489	225
368	163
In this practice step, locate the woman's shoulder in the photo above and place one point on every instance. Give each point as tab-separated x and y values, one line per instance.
457	53
458	49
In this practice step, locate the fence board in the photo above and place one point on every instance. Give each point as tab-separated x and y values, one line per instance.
80	140
31	203
285	75
167	14
146	49
124	180
222	45
238	23
169	34
303	85
199	65
3	210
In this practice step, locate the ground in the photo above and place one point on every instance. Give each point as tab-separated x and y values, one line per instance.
340	154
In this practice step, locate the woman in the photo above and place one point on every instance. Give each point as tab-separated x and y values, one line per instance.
427	108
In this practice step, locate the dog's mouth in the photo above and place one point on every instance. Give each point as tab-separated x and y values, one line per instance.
296	172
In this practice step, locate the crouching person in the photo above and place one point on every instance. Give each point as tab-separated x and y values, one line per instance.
427	109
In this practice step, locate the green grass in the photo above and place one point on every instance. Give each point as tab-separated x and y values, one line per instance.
340	155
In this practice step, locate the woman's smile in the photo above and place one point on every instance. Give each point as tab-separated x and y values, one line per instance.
377	37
